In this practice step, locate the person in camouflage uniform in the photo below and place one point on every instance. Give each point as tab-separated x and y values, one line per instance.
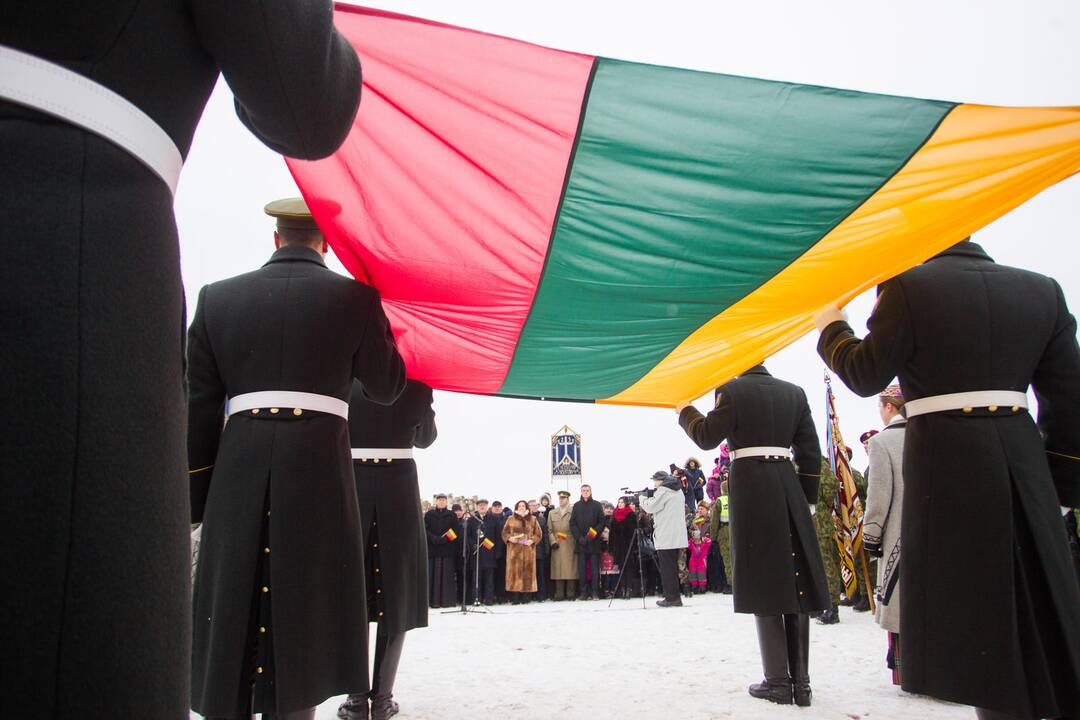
823	522
721	535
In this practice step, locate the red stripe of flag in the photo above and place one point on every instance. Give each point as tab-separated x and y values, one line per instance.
461	144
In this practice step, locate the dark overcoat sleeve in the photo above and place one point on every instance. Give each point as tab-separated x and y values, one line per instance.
575	521
426	432
296	79
708	431
867	366
206	409
1057	388
807	452
431	529
377	364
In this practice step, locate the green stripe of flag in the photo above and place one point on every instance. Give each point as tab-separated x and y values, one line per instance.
689	190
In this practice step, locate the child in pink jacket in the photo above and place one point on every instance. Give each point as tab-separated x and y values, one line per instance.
697	561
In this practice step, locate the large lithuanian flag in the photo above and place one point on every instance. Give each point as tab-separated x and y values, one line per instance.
543	223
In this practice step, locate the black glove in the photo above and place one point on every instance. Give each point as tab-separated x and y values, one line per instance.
554	546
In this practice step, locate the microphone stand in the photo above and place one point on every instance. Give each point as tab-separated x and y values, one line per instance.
477	607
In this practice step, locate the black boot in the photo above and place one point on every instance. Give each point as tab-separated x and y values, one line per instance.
354	708
797	630
830	616
387	656
772	641
984	714
863	604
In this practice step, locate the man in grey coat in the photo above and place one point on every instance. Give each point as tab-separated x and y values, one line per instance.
884	506
665	504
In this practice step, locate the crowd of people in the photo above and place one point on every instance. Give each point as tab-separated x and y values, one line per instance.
544	550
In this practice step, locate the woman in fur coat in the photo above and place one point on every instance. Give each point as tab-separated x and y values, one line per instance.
521	533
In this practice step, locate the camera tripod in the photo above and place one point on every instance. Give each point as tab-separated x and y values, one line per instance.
477	607
639	535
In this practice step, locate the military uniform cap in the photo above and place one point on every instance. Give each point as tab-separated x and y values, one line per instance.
563	493
291	213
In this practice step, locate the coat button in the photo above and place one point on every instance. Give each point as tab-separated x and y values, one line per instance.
266	589
377	570
992	408
967	409
255	411
297	411
378	592
266	550
380	614
796	573
262	629
389	460
376	461
258	670
375	545
1015	408
274	411
801	593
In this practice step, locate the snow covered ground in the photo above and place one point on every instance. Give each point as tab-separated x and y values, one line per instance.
564	661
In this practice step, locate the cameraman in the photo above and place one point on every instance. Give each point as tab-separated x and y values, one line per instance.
665	503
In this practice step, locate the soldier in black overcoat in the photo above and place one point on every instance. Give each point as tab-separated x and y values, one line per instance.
279	603
586	525
96	564
395	546
441	528
779	576
990	611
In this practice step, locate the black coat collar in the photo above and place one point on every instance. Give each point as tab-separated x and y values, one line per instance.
758	370
967	249
296	253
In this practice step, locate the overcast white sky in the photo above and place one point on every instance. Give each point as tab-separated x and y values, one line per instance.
988	51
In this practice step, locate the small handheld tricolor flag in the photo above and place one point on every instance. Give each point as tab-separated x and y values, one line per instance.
450	535
699	521
488	544
561	535
591	533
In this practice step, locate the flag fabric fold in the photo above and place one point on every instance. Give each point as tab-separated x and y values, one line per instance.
550	224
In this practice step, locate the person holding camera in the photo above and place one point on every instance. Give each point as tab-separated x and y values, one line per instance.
666	504
774	545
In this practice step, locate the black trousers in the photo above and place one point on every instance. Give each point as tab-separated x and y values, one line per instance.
541	578
583	580
669	573
500	579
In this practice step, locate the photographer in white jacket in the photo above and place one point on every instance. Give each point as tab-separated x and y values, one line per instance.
665	504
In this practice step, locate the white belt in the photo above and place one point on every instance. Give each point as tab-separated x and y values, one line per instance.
295	402
762	451
378	454
967	401
48	87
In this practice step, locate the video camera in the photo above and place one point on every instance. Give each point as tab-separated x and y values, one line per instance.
628	491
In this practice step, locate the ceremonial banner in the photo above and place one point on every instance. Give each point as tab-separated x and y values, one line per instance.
847	512
530	216
566	455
